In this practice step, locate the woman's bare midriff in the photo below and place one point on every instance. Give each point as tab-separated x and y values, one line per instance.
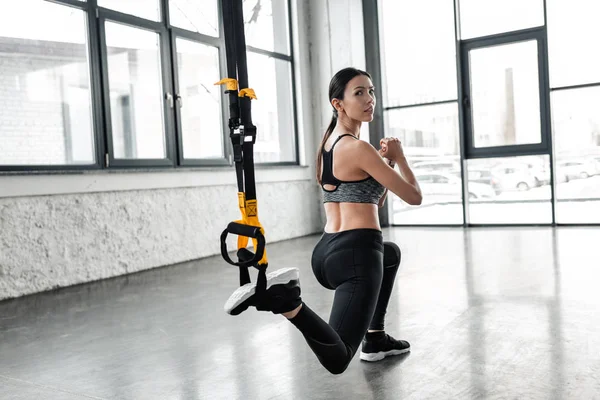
347	216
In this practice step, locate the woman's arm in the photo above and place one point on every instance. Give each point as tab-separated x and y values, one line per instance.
392	164
403	186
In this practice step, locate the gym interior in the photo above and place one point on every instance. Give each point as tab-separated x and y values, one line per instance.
118	177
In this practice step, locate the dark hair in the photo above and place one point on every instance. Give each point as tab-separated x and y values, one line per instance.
337	86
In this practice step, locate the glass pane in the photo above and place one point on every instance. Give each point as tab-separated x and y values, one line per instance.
272	112
136	93
266	25
430	138
45	97
199	15
418	51
149	9
505	97
521	187
576	128
487	17
573	42
201	122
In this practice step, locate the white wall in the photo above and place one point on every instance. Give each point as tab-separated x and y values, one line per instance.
60	230
60	240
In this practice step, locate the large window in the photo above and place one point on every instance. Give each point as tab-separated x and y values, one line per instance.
135	92
200	116
576	123
488	17
520	190
575	100
418	59
573	42
198	16
505	94
418	51
140	8
130	83
429	135
511	136
270	73
45	97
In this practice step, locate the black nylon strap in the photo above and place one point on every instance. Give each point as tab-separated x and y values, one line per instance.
238	157
249	130
237	140
249	171
242	132
230	53
242	66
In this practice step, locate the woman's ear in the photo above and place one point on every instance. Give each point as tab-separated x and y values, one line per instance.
337	104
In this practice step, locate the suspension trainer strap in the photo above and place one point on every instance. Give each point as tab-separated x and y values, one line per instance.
243	137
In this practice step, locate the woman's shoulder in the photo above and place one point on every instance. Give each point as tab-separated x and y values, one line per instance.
351	141
360	147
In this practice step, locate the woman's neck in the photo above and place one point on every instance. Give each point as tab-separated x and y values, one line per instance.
347	125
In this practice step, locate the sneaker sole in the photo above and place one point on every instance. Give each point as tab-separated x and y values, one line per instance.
243	293
382	354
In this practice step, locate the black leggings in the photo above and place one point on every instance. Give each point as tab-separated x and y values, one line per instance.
361	267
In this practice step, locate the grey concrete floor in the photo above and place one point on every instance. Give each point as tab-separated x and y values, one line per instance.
491	313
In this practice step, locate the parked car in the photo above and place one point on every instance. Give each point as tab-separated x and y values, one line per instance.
576	169
484	176
445	184
534	167
515	176
476	174
540	174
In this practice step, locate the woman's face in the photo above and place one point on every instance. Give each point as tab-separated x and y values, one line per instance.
359	99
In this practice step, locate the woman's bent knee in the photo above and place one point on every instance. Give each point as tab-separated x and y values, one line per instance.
338	367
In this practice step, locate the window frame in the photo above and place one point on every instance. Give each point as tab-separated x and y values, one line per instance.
547	150
294	98
103	16
200	38
97	121
95	19
537	34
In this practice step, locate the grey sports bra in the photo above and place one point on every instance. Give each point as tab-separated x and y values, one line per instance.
366	190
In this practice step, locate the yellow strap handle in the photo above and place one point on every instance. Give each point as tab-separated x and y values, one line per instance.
248	93
249	210
230	83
